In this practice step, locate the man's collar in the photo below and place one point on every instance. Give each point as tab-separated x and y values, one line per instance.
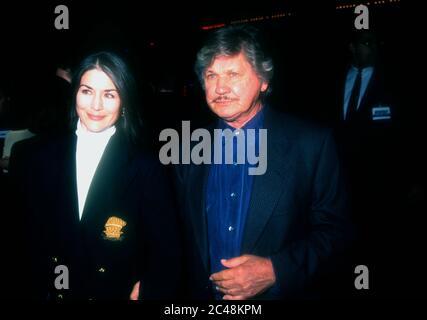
255	123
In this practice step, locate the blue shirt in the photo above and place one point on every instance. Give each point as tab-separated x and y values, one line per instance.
228	193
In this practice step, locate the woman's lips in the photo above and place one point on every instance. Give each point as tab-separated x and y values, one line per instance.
94	117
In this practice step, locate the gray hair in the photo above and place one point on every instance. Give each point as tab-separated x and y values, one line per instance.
230	41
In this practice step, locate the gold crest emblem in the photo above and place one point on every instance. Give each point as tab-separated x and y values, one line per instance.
113	228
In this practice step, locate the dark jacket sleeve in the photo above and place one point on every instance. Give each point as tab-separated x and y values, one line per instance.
162	237
328	229
23	175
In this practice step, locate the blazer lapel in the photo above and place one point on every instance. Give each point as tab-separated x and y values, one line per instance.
267	188
107	182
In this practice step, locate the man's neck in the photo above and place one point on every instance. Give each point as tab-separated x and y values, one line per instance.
238	124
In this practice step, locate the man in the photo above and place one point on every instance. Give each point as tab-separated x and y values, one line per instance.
365	88
259	236
372	143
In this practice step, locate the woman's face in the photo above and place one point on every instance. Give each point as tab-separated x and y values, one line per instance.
98	101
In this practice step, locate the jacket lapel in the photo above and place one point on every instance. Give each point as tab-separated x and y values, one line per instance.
108	182
267	188
341	94
369	96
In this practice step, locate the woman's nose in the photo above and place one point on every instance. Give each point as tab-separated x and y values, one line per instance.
97	103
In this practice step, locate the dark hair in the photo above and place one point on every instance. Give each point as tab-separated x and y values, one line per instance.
119	73
230	41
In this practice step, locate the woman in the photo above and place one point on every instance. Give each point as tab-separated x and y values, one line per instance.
100	216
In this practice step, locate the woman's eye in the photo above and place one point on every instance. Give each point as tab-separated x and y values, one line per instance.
210	76
86	91
233	74
109	96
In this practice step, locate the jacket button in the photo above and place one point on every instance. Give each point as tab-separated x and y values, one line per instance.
60	296
101	270
55	259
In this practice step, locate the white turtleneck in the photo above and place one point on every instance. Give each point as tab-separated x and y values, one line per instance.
90	147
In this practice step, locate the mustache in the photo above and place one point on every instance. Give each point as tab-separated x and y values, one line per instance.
223	98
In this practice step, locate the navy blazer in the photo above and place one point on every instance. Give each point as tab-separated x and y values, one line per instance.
128	184
297	215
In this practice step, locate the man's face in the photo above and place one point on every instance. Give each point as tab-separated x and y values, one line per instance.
364	51
232	89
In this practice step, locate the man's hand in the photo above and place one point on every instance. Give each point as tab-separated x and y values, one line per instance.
135	292
246	277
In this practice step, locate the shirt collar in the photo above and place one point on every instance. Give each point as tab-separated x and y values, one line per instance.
255	123
81	132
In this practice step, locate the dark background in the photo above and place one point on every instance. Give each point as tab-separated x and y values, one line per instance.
160	40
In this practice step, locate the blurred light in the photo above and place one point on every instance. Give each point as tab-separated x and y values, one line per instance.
219	25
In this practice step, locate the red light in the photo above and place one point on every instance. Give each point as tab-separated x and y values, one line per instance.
213	26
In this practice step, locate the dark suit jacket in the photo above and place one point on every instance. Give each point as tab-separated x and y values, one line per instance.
378	92
128	184
297	214
370	147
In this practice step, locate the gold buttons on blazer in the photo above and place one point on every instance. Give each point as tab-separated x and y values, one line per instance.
55	259
102	270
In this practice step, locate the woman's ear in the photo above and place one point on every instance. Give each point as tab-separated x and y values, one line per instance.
264	86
